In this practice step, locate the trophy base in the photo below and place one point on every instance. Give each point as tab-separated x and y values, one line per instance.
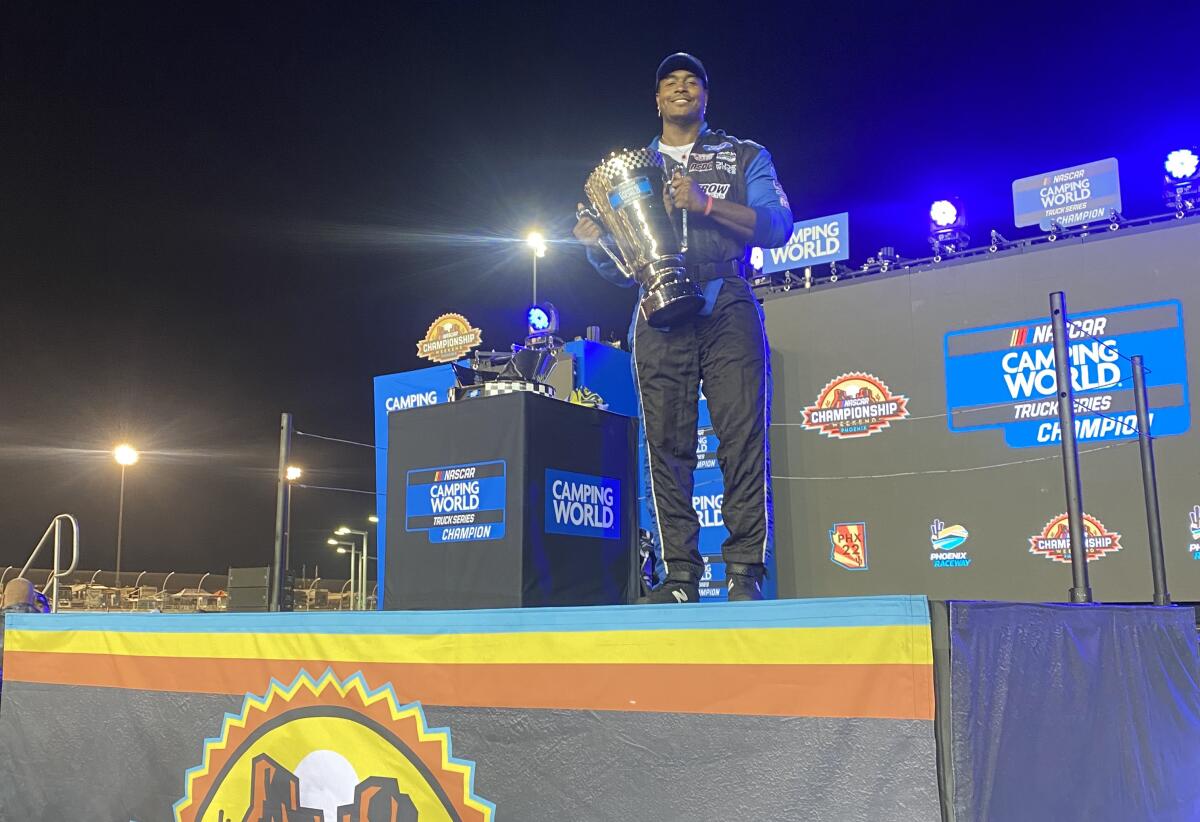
672	298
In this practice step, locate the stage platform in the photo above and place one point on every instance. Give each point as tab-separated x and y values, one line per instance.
818	709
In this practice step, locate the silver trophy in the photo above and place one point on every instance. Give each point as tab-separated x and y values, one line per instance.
626	193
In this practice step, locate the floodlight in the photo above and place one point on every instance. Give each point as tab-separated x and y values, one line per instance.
943	213
1181	183
125	454
947	227
537	242
1181	164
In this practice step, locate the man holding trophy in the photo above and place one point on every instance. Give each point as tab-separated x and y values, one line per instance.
683	215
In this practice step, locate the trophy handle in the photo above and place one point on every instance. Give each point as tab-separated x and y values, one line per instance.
683	240
588	212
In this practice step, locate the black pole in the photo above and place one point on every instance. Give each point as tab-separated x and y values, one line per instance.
1158	570
282	498
1080	590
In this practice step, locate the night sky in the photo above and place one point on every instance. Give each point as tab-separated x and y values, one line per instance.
211	216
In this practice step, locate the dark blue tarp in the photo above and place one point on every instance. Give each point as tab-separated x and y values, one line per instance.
1074	712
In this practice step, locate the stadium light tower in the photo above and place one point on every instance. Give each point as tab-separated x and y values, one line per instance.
342	546
125	455
344	531
537	244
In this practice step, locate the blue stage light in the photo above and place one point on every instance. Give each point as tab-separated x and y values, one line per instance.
943	213
1181	183
947	227
542	323
539	320
1181	164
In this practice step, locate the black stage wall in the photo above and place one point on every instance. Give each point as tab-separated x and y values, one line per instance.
899	487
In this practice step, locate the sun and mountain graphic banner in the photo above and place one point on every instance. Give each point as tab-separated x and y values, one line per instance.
773	710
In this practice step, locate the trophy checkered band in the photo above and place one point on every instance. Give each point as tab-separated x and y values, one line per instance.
621	166
498	388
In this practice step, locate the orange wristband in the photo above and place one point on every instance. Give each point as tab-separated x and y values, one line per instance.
708	205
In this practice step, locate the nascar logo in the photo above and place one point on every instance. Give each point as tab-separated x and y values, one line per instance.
1042	334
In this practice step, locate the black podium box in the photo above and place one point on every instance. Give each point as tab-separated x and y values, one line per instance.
510	501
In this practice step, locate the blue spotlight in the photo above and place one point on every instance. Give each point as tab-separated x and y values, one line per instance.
947	227
1181	164
943	213
542	320
542	323
539	320
1181	183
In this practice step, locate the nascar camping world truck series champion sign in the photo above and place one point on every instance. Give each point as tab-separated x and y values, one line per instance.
449	338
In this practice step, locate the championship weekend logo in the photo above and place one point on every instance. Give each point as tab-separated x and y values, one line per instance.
848	545
946	539
854	405
1054	542
448	339
582	505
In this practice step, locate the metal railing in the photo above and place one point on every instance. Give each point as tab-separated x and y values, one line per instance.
55	527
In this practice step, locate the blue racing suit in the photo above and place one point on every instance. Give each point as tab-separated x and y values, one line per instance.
726	348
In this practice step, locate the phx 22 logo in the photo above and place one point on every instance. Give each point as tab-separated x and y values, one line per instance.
330	750
848	545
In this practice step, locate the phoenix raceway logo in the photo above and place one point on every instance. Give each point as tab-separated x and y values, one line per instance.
1194	522
854	405
848	545
1054	542
416	400
1005	377
330	750
946	539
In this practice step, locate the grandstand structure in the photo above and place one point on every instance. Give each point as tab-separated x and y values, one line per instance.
173	591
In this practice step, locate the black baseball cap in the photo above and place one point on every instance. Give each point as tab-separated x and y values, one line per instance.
681	60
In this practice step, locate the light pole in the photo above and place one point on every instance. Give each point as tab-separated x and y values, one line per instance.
125	455
292	474
341	549
537	243
362	572
374	520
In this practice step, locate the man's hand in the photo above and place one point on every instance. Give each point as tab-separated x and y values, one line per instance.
686	193
586	230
